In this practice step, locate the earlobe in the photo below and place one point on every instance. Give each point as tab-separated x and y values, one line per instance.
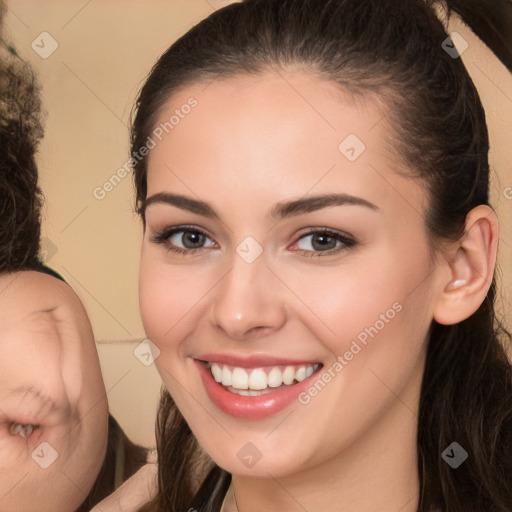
470	268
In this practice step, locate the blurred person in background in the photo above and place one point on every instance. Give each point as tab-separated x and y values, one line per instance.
60	449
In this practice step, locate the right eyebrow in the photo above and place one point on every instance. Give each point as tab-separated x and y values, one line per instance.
183	202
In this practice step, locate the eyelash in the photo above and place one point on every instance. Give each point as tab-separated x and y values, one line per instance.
163	238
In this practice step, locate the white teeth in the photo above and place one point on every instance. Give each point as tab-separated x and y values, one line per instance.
300	374
288	375
252	382
239	378
216	372
24	431
274	378
257	379
226	377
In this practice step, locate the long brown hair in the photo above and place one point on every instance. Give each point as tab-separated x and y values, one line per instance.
392	48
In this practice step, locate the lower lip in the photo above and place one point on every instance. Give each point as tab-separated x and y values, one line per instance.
250	407
36	435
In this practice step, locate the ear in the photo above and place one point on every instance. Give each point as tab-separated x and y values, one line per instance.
470	268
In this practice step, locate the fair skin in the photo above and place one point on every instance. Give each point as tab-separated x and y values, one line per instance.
51	378
251	143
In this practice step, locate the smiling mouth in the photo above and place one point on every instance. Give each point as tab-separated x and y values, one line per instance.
261	380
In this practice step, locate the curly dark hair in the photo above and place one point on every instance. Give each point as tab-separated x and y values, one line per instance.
21	130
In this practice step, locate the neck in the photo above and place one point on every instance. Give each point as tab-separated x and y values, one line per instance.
378	471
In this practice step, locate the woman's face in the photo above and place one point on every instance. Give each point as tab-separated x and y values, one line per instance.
263	292
50	378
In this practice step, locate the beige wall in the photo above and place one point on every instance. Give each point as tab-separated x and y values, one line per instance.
105	49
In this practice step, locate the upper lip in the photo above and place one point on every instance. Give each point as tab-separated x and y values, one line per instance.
252	361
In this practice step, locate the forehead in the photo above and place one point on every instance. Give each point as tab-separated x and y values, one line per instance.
262	122
275	135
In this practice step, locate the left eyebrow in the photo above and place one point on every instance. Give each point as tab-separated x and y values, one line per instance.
279	211
310	204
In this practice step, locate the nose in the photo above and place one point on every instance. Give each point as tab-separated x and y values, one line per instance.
248	302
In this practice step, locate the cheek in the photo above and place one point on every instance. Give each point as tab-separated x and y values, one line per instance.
165	308
368	308
156	298
343	301
169	297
